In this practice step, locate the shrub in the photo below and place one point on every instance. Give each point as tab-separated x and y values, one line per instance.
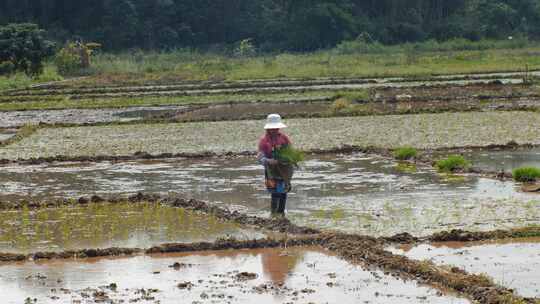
405	153
526	174
452	163
7	68
245	48
24	47
73	58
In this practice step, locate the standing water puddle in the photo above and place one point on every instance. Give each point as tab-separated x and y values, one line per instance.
295	275
505	160
109	225
355	193
511	263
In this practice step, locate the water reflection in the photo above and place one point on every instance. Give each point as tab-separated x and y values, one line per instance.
294	275
109	225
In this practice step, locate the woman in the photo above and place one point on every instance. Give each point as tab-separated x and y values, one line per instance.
277	176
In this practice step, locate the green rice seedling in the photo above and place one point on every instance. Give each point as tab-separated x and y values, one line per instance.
405	153
290	155
405	167
526	174
452	163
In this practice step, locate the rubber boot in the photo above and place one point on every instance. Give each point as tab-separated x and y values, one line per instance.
282	203
274	203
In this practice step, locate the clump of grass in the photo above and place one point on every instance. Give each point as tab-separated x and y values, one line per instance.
526	174
452	163
405	153
340	105
353	96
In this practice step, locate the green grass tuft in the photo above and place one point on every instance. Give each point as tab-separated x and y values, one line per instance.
452	163
405	153
526	174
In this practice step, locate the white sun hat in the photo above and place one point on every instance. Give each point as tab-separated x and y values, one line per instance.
273	121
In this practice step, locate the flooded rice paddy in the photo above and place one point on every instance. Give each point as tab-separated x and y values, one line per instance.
109	225
504	160
354	193
511	263
293	275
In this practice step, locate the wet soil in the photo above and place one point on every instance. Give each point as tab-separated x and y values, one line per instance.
240	111
85	116
513	263
7	134
291	275
423	131
79	226
300	108
74	84
359	193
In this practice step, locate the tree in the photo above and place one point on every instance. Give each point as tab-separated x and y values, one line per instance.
24	47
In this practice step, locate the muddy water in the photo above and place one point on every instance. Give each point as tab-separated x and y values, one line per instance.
84	116
264	276
354	193
512	263
106	225
504	160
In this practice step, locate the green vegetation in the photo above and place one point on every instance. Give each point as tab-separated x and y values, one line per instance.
526	174
405	153
137	68
23	48
289	155
165	67
276	25
74	58
452	163
21	80
405	167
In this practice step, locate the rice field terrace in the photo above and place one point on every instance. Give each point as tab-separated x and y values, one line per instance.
151	193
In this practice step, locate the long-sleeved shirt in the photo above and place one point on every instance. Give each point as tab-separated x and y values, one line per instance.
268	143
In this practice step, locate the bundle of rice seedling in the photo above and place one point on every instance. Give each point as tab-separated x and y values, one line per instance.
289	155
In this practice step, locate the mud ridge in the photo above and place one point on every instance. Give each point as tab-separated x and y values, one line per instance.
356	249
458	235
276	82
226	244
